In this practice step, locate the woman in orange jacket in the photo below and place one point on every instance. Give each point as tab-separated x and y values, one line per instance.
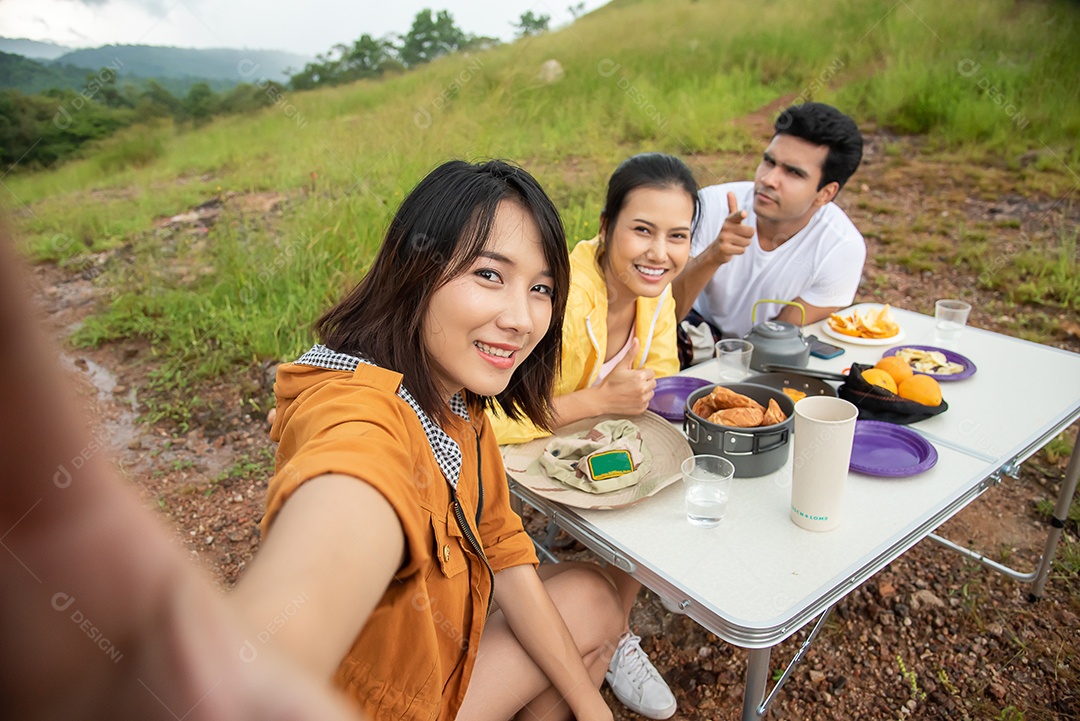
389	513
392	563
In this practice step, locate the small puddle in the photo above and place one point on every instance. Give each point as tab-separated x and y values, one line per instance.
115	416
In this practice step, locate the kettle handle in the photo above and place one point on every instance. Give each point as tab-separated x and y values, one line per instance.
753	311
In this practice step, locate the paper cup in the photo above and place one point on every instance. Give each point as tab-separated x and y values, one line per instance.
824	430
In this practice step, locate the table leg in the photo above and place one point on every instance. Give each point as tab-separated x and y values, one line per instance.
1057	522
757	676
755	702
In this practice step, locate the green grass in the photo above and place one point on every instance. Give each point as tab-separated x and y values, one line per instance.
640	75
1041	275
247	467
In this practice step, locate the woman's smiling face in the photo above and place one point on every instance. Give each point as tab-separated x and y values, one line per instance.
481	325
648	244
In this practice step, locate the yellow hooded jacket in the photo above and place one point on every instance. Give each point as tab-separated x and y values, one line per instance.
585	337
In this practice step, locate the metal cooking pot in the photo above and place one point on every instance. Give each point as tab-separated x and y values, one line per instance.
777	341
803	383
753	451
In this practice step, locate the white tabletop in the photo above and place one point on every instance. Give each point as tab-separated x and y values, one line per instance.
1020	393
757	578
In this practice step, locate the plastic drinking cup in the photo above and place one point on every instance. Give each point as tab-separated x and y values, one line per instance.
950	317
824	431
733	359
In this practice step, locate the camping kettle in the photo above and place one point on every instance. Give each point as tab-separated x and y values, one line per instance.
776	341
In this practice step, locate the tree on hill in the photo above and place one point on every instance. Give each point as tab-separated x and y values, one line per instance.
107	92
367	57
530	24
200	104
430	37
157	102
40	130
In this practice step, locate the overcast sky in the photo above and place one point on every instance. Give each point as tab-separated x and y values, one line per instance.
301	26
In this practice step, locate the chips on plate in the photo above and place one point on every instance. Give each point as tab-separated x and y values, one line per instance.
873	323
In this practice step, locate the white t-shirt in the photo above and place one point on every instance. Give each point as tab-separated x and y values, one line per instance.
822	263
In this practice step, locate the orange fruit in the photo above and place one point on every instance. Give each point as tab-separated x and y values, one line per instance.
921	389
896	367
878	377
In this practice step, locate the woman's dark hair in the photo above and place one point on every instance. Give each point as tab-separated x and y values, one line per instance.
823	124
646	170
441	227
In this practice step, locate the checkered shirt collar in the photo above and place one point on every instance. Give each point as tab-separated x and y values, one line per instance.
446	450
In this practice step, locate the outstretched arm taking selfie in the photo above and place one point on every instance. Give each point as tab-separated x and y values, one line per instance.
102	616
335	546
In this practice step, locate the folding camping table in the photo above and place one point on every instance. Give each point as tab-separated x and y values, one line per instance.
758	578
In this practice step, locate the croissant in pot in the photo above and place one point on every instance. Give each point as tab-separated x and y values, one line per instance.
773	414
738	417
704	407
724	398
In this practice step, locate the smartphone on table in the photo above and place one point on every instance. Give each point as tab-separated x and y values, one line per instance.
821	349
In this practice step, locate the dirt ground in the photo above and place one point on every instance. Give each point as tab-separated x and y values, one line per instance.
933	635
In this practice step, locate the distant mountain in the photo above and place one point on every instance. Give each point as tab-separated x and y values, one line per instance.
221	64
32	76
32	48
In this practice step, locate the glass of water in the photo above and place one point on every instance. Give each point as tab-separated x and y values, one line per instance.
950	317
707	484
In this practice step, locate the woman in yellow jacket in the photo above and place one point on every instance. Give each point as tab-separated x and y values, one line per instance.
618	337
619	330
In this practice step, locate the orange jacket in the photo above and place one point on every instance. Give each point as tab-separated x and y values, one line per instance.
415	654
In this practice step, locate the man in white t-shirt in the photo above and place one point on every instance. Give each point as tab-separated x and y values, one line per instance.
780	236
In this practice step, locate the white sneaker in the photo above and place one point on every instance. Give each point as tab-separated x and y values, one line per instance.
636	683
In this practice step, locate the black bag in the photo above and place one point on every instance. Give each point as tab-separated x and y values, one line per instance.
880	404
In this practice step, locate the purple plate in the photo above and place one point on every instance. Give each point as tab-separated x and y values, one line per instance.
886	449
969	367
669	399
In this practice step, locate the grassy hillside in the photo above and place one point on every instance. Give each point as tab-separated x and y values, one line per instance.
991	82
